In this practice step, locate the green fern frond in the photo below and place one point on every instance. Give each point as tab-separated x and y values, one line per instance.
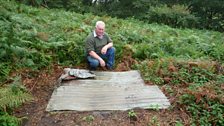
14	95
9	120
12	100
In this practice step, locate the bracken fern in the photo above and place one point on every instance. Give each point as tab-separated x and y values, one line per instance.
13	95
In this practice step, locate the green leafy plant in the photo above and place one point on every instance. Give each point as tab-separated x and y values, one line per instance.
154	121
132	115
154	107
8	120
205	108
179	123
88	118
13	95
4	71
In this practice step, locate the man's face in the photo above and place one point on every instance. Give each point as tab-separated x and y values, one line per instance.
100	30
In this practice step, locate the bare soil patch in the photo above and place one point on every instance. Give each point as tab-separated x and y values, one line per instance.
41	85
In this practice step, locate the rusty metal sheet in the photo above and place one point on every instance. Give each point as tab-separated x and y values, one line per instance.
108	91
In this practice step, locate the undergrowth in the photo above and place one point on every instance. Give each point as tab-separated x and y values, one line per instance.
187	62
197	86
12	96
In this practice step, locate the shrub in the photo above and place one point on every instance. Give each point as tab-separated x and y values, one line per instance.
175	16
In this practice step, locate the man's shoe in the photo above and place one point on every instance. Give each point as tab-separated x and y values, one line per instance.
109	68
92	68
104	68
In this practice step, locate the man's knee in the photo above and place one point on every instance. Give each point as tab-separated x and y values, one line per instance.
111	50
94	63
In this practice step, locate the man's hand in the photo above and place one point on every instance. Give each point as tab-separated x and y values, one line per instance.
93	54
104	50
102	62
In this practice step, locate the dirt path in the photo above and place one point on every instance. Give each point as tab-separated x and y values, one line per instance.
42	84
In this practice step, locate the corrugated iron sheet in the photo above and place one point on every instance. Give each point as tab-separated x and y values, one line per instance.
108	91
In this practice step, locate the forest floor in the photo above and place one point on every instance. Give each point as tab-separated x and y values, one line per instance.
41	85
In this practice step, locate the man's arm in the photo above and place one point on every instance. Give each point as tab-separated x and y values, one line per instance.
90	50
96	56
104	49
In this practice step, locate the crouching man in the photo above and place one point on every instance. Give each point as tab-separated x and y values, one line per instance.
99	48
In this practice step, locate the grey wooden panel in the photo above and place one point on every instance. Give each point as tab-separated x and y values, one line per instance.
108	91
